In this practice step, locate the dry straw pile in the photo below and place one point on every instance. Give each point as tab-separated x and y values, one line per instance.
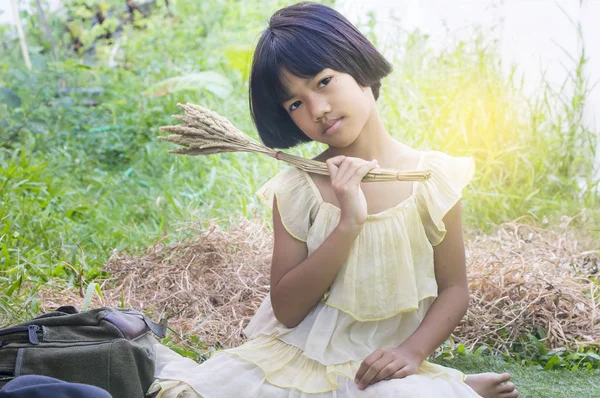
521	277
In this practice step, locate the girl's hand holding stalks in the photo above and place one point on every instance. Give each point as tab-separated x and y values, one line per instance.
346	174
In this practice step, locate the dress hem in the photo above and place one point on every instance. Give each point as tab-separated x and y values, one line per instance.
288	386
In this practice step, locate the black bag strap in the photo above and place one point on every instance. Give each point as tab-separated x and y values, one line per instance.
67	309
159	329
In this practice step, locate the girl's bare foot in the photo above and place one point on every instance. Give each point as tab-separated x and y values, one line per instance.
492	385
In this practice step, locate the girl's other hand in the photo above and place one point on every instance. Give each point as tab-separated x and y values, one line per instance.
386	364
346	173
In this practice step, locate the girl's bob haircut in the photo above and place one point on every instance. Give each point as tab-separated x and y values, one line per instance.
304	39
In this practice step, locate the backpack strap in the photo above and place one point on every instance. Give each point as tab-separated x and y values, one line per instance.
67	309
159	329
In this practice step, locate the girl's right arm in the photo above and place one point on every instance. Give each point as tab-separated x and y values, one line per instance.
299	281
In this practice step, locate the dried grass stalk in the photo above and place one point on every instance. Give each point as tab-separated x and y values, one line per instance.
205	132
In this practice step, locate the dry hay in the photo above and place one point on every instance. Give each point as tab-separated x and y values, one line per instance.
209	286
525	277
521	278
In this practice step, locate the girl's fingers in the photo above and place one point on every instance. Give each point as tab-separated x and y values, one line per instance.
347	170
387	372
333	165
362	171
400	374
336	160
332	168
344	170
373	371
353	167
366	364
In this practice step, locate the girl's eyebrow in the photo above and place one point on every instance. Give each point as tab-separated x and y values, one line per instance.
288	96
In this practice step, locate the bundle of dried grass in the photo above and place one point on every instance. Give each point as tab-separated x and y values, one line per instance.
205	132
521	278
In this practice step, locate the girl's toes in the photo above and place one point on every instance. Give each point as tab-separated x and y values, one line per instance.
512	394
504	377
506	388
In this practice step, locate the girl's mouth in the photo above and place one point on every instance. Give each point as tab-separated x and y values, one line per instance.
334	127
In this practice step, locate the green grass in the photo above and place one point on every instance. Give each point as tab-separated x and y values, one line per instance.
531	382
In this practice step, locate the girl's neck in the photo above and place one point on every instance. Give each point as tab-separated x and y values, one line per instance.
373	142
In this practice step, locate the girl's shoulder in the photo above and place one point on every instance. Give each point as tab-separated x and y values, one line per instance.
442	191
441	155
447	170
287	180
296	200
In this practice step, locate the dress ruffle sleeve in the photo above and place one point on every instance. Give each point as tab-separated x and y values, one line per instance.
436	196
296	201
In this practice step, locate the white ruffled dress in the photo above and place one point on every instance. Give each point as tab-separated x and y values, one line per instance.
378	299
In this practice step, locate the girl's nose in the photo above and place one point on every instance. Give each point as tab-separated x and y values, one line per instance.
318	108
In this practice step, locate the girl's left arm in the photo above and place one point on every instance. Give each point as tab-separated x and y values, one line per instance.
442	317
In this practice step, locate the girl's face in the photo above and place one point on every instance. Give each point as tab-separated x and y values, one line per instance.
330	98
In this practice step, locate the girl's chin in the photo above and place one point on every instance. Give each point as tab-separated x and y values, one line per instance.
342	140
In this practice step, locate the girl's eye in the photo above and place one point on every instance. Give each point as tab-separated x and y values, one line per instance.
326	79
324	82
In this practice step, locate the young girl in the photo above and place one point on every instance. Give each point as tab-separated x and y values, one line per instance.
367	279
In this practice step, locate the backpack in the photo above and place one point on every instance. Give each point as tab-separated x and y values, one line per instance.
110	348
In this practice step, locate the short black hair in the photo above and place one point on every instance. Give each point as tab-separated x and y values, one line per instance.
304	39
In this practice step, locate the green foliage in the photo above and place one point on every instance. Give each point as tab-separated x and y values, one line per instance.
532	154
9	98
208	80
89	20
531	351
75	175
89	293
195	349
